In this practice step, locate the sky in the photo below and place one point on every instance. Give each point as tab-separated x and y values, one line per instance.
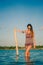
17	14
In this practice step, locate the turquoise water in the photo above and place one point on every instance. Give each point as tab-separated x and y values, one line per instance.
8	57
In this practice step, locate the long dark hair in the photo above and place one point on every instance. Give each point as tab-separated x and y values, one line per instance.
31	29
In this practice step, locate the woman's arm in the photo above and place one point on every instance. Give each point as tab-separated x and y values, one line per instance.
22	31
34	42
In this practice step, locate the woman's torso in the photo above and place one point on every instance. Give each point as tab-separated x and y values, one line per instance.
29	38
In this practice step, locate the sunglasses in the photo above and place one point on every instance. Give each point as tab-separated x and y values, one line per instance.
29	28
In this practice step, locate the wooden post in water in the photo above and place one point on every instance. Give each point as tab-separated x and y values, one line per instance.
16	41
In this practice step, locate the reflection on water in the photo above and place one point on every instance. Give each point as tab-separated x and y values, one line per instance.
28	61
8	57
27	58
21	62
17	58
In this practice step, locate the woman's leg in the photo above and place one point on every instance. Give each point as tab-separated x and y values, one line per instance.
27	53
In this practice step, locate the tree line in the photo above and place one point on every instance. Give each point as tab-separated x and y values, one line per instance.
14	47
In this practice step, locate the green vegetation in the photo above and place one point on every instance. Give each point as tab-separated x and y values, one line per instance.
13	47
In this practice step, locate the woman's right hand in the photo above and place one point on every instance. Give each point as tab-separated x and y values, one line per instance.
19	31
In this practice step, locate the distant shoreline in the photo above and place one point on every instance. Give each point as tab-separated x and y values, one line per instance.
20	48
23	49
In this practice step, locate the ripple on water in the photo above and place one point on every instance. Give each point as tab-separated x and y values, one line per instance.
8	57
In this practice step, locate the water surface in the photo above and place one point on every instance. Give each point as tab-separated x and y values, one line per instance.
8	57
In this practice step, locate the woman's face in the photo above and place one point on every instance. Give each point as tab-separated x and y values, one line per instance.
29	27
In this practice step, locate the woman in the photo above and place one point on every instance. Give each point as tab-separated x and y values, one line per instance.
30	41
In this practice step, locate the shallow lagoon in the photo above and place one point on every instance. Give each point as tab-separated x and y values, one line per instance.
8	57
